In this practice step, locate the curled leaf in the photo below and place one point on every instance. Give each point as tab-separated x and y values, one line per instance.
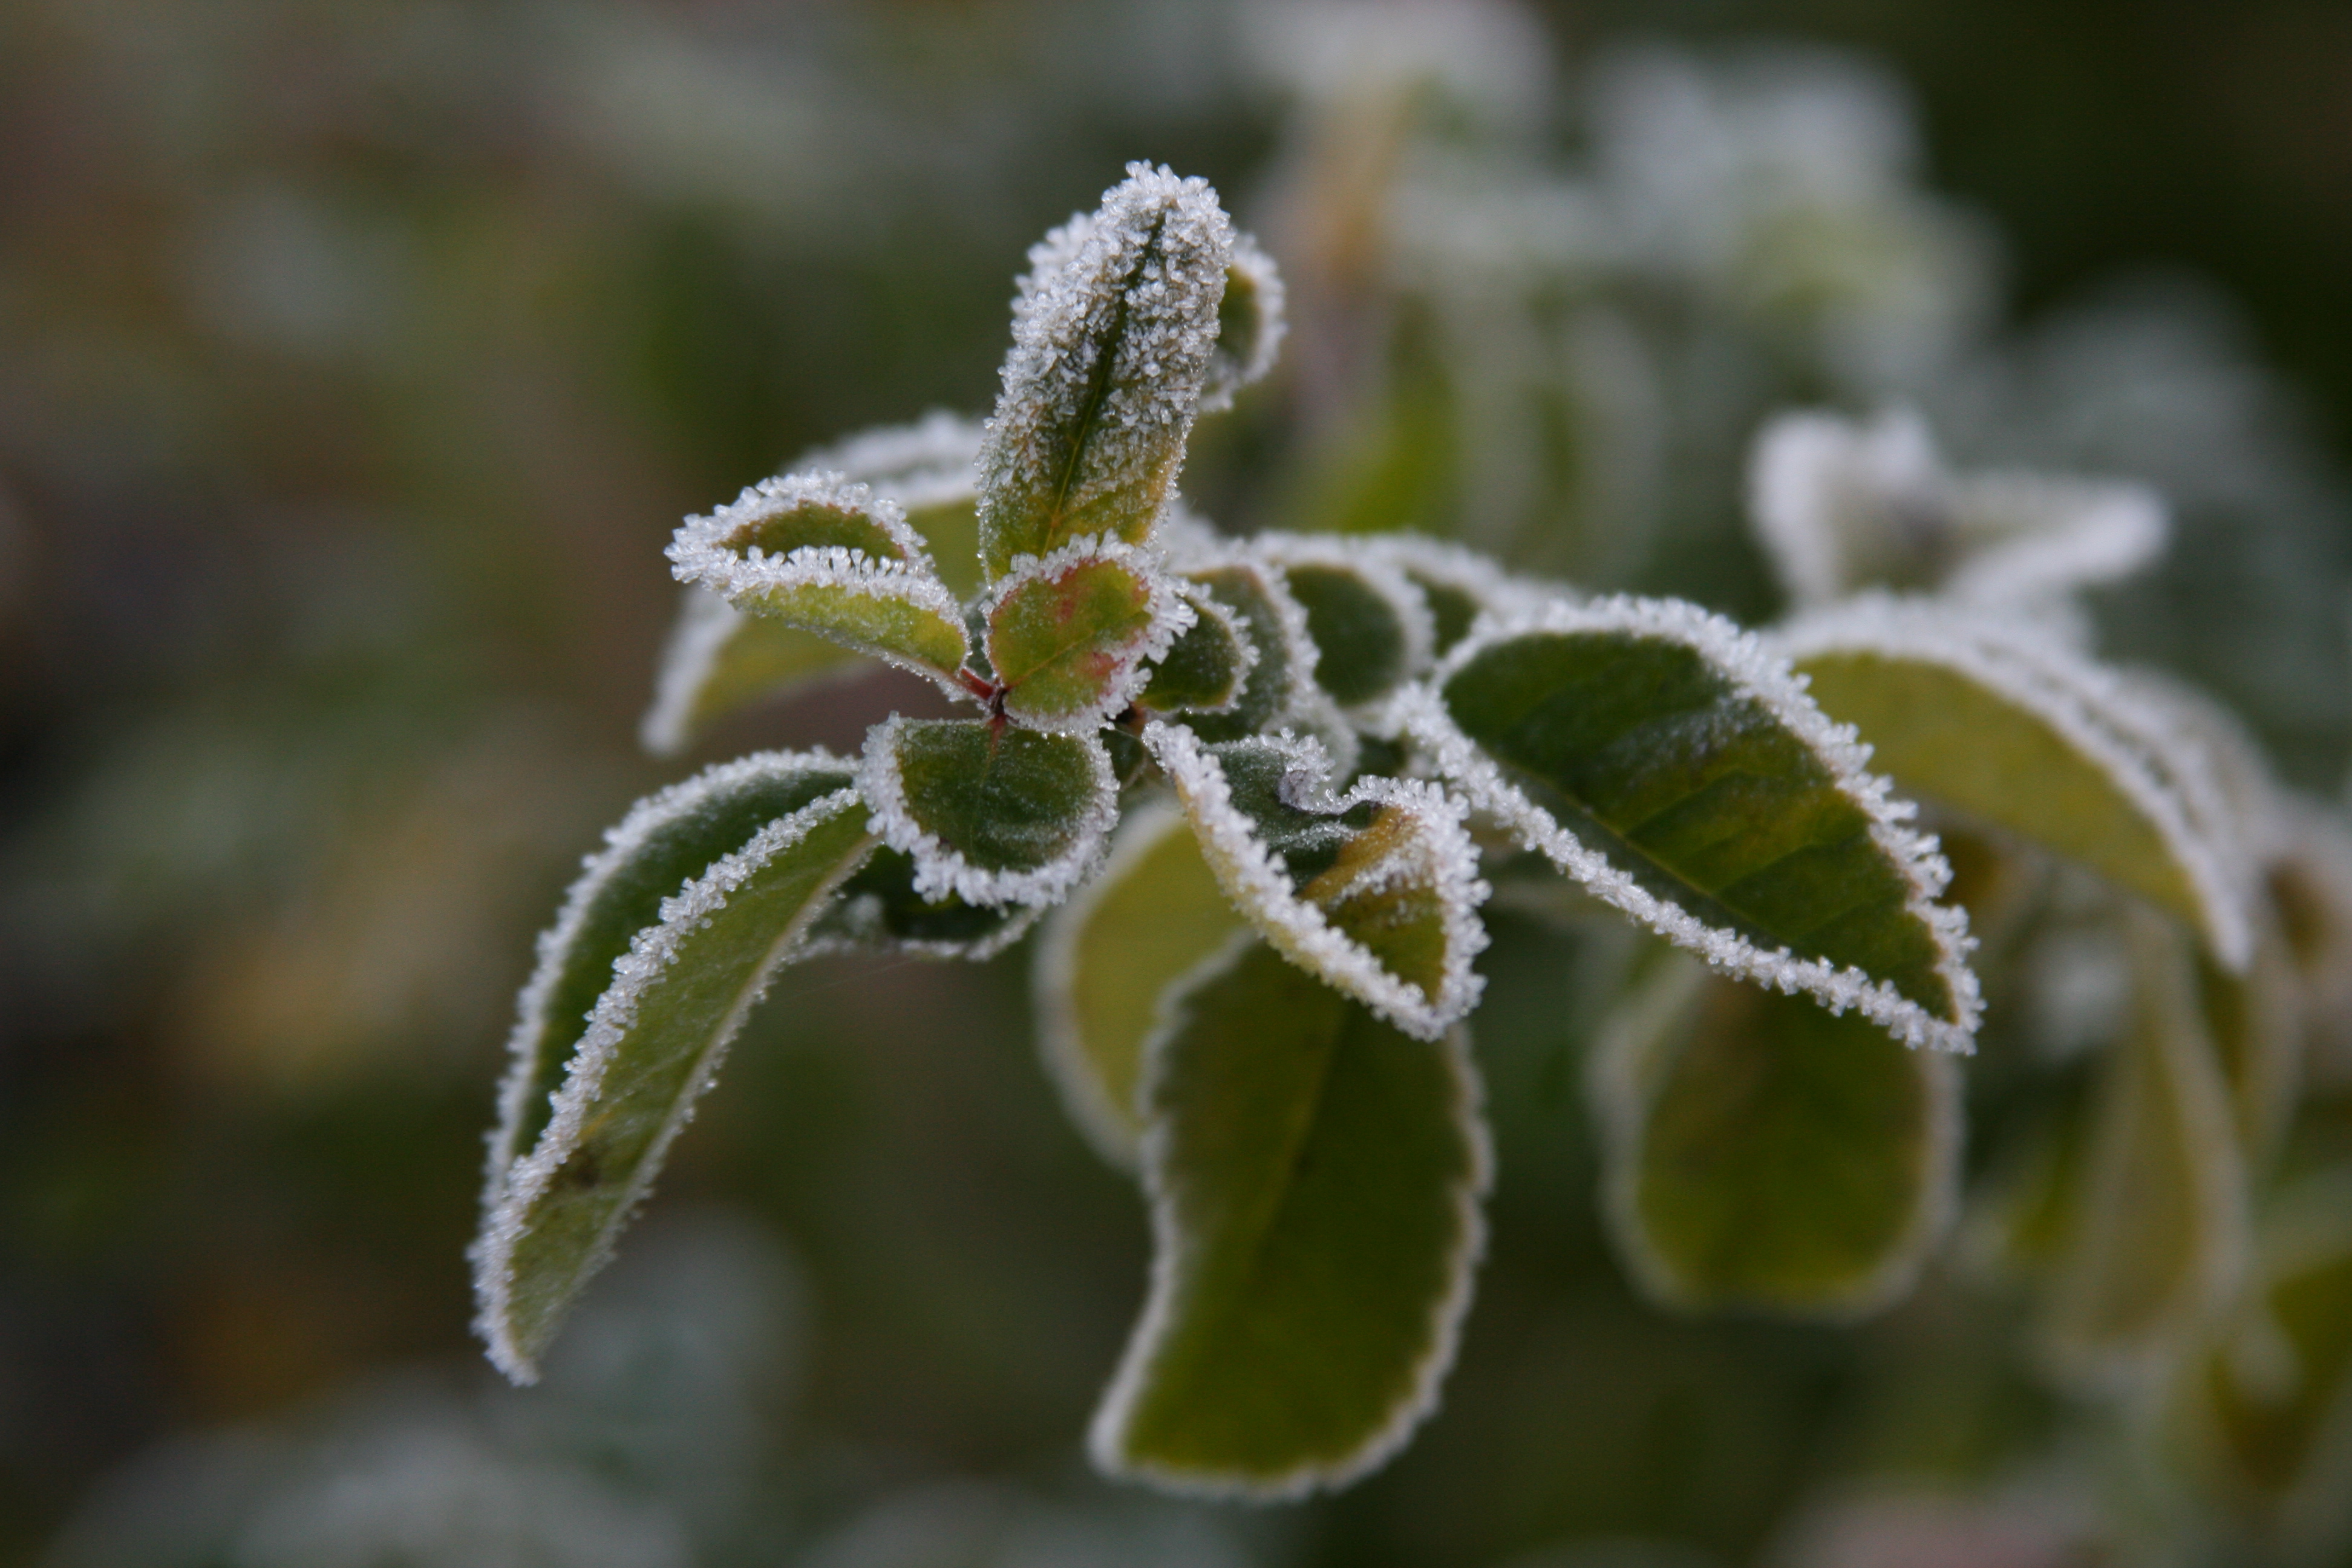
1279	692
1375	891
827	556
989	813
1369	622
1106	958
878	910
1069	634
1764	1154
665	943
1665	760
1250	325
1315	1177
1458	585
2025	733
1112	336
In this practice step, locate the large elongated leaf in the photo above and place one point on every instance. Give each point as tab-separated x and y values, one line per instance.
1661	757
828	556
1068	635
1106	958
989	813
1315	1177
2026	734
671	963
1112	336
1764	1154
1375	891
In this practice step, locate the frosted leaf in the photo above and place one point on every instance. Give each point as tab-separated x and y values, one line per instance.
830	557
993	815
677	994
1370	622
920	466
878	910
1250	326
1458	585
1841	506
718	660
1756	702
1069	634
2140	750
1375	891
1112	337
1281	692
1486	58
1207	668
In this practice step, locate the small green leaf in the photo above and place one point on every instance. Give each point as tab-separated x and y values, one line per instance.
1112	336
2025	734
1661	757
1204	670
927	468
2154	1235
1104	959
991	813
1763	1154
1068	635
827	556
1375	891
672	968
720	660
880	911
1457	584
1315	1177
1250	325
1370	626
1279	691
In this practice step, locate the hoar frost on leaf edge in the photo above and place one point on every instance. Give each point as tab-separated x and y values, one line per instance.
1447	1315
1306	707
651	952
941	870
705	624
2127	736
1376	570
1762	674
923	464
1171	614
1256	878
1228	374
1206	606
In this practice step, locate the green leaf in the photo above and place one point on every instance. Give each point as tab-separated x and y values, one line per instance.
1112	336
880	911
1204	670
2254	1020
1279	691
927	468
2026	734
991	813
1068	635
1370	626
720	660
1315	1177
1250	325
1457	584
2155	1235
1375	891
828	556
1661	757
671	965
1105	958
1763	1154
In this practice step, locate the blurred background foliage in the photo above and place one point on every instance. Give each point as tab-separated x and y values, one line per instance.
356	361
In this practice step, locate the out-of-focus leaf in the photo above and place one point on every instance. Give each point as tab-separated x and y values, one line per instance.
827	556
2255	1023
1315	1177
1104	959
719	660
1660	756
1112	336
1068	635
674	999
1375	891
992	814
1765	1155
2029	736
879	910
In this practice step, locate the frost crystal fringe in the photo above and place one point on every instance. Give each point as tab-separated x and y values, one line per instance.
1766	676
1172	614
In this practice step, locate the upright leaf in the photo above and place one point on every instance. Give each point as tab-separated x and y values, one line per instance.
1069	634
2026	734
1250	325
1315	1177
1763	1154
991	813
827	556
1112	336
1661	757
1370	622
1375	891
672	985
1107	958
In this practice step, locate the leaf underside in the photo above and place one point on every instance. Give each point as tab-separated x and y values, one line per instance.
1651	756
1314	1178
1766	1155
654	1042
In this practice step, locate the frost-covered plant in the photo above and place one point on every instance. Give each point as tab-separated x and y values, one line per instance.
1256	792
